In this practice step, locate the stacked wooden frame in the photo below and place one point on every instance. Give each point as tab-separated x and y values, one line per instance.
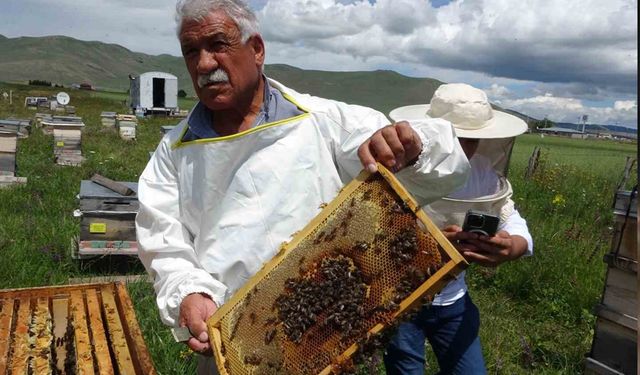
615	342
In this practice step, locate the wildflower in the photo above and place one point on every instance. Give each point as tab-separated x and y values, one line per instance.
184	354
559	200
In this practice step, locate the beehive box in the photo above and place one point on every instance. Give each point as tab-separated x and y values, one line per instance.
61	122
126	125
108	220
67	147
108	119
614	343
625	238
19	126
366	260
8	146
79	329
614	346
621	290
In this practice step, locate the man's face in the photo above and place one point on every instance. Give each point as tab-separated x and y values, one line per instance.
215	43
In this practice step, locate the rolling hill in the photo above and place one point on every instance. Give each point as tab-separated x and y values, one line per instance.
64	60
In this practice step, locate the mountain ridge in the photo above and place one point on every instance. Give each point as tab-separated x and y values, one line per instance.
65	60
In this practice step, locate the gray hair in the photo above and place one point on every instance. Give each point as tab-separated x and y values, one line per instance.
237	10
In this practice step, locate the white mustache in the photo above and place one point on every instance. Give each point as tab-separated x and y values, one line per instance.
217	76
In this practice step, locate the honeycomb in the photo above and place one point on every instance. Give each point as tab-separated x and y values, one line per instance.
368	259
78	329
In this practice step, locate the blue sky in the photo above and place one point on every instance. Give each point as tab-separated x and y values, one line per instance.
555	58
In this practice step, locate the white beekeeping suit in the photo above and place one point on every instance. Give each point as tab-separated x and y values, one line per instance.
212	211
487	188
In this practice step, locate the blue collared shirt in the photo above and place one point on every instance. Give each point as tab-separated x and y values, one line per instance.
274	108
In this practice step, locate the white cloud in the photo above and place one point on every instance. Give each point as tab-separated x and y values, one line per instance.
593	42
561	109
580	49
625	105
497	92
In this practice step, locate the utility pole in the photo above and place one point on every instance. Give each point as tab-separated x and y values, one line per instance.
10	97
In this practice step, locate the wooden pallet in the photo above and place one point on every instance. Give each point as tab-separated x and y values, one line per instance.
82	329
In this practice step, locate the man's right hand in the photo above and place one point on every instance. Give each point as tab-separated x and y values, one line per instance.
195	309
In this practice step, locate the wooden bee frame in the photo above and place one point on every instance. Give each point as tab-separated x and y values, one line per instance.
80	329
364	227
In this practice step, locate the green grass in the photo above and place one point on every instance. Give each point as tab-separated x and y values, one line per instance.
536	313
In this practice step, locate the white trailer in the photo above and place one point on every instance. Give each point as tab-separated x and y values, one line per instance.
154	92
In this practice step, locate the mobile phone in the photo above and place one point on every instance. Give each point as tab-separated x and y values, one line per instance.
481	223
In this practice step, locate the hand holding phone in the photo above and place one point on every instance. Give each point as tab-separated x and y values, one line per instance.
480	223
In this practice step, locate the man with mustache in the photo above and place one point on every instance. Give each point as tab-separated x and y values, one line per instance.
252	164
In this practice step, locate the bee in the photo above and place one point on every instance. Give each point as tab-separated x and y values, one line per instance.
361	246
252	359
367	195
268	337
270	321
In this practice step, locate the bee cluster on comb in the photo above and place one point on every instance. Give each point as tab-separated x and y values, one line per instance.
334	292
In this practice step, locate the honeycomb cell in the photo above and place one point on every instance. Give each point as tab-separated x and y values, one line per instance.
352	273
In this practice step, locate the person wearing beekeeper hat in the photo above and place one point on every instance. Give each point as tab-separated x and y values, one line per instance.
451	323
252	164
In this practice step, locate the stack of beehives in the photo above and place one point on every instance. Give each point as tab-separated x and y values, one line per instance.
126	125
614	349
77	329
8	147
67	138
108	119
108	220
20	126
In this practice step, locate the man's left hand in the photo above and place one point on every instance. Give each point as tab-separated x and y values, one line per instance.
395	146
484	250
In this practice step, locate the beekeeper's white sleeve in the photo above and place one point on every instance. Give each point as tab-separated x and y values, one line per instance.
169	254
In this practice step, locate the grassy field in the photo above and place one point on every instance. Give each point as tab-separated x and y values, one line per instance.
536	313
